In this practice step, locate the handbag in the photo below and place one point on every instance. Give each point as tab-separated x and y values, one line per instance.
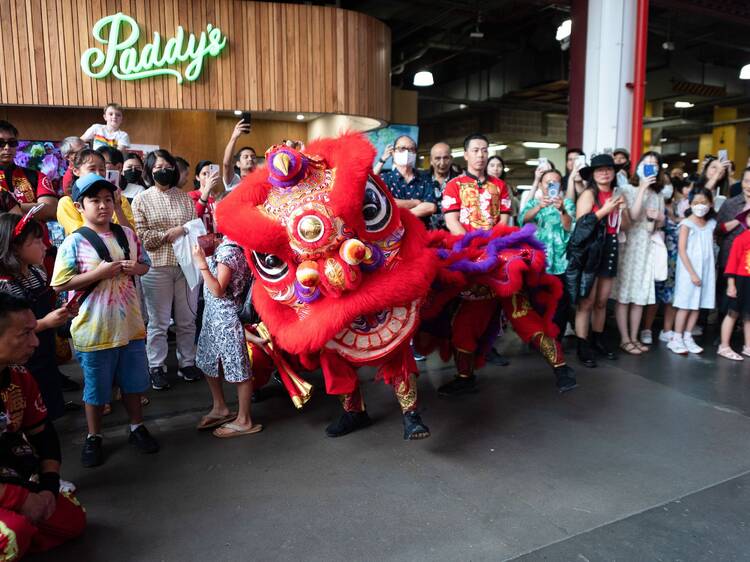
661	257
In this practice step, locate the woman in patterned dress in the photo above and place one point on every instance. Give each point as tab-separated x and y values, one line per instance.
222	350
635	286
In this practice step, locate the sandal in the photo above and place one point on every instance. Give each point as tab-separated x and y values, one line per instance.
229	430
630	347
211	422
728	353
642	347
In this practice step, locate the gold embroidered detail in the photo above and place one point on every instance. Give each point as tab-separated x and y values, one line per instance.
10	552
335	273
406	393
521	305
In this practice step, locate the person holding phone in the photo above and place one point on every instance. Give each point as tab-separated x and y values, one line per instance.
635	286
209	190
236	165
593	256
554	216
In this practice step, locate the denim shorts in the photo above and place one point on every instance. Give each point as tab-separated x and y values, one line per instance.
127	366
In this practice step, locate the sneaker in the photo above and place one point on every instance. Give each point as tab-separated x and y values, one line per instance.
697	331
666	337
68	384
158	378
495	358
142	440
677	346
191	373
647	338
92	454
690	344
458	386
586	354
348	422
414	428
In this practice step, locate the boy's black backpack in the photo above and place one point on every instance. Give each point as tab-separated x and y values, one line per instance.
101	248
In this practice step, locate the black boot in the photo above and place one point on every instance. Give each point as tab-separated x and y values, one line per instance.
585	353
566	378
600	347
414	428
348	422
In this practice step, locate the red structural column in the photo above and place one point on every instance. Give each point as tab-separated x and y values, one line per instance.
639	81
579	10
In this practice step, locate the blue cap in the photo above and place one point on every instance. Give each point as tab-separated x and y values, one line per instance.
90	183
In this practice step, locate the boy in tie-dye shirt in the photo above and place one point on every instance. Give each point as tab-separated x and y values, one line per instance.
108	332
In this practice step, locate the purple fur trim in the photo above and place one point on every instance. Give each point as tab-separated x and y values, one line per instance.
306	295
378	258
493	248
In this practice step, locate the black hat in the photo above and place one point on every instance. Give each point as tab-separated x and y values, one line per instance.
598	161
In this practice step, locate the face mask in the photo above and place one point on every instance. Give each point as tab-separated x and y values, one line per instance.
164	177
132	175
667	192
404	158
700	211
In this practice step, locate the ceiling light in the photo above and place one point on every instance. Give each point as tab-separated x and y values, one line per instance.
683	104
300	117
685	174
665	165
423	78
563	30
663	139
668	46
237	112
532	162
462	106
497	147
457	153
745	72
683	153
695	160
534	144
506	169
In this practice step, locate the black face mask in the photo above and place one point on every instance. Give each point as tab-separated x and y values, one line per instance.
132	175
165	177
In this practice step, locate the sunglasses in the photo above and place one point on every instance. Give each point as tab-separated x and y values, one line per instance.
13	143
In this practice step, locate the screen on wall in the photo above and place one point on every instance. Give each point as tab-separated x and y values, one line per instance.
381	138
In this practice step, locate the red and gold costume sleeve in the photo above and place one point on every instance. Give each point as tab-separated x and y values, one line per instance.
44	187
738	263
451	197
505	202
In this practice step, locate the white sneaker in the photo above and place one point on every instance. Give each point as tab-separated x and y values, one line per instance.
697	331
666	337
647	337
690	344
676	346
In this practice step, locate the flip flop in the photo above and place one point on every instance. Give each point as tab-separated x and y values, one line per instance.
211	422
236	430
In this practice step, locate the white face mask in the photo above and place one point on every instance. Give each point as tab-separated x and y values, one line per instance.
404	158
667	192
700	210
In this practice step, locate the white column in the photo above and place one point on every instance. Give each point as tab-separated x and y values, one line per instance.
610	53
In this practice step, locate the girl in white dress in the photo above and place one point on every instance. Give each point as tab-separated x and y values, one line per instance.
695	280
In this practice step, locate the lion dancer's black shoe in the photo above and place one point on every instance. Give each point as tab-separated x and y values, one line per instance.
406	393
552	351
354	417
465	382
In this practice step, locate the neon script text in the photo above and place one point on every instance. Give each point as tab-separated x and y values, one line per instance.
120	34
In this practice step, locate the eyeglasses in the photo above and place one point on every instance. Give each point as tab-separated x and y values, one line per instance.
13	143
411	149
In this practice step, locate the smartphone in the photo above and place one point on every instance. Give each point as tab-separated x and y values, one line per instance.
581	160
553	189
247	118
213	169
723	155
113	177
75	300
543	161
649	170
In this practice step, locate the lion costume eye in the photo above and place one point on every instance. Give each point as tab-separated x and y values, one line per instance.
376	208
270	266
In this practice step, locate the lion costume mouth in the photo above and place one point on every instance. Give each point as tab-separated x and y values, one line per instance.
376	335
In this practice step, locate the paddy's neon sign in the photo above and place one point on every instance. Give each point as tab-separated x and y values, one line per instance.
122	59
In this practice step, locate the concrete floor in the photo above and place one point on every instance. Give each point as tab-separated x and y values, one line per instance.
647	460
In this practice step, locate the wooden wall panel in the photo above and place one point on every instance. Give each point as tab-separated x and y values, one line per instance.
280	57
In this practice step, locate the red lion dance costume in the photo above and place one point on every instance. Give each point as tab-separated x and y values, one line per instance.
343	276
